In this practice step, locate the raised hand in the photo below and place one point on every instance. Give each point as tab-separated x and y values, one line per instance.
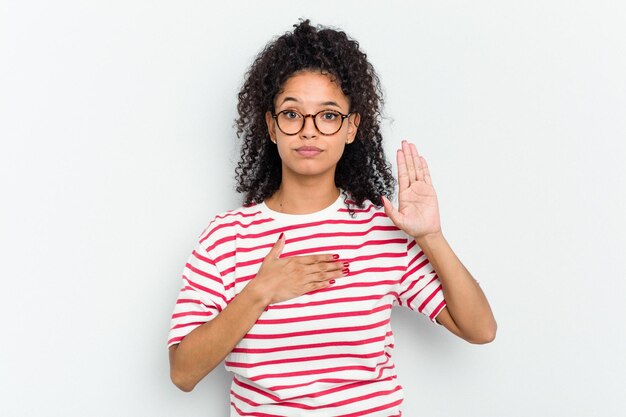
418	209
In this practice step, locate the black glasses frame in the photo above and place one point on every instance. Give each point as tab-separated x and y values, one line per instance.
313	116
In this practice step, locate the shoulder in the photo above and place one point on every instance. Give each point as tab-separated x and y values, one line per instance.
228	222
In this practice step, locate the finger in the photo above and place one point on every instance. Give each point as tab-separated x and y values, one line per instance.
316	285
403	173
277	249
321	267
328	275
427	177
316	259
419	169
392	213
408	159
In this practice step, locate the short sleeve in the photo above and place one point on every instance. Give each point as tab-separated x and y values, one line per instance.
201	297
420	288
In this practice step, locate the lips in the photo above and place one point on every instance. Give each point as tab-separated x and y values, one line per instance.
308	151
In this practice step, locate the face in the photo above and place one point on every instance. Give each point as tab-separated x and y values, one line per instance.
310	153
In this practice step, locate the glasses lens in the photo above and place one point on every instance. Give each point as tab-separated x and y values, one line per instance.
328	122
290	122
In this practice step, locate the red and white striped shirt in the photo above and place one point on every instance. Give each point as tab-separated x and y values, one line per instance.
325	353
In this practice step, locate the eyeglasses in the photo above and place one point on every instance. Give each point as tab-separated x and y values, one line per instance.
327	122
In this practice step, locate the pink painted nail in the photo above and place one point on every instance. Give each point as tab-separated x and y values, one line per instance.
335	256
345	271
331	282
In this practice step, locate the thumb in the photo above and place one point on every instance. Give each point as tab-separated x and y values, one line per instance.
278	247
391	211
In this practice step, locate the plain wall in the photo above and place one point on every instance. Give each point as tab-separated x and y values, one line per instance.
117	147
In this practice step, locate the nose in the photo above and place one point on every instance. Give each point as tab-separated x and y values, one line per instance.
309	130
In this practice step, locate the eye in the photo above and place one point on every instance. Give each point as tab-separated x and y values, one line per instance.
290	114
329	116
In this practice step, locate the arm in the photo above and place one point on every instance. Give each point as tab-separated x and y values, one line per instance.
207	345
279	279
467	313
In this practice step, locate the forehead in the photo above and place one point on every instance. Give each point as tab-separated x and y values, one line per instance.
311	88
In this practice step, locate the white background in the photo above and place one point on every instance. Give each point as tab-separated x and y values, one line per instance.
117	147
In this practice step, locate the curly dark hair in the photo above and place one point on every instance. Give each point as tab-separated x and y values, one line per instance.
362	172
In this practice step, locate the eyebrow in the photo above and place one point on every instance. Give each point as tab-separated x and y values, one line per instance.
325	103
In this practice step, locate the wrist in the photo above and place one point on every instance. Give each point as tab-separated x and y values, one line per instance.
256	295
429	238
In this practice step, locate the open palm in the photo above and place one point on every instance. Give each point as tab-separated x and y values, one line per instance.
418	210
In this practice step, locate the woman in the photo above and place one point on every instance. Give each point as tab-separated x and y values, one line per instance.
295	288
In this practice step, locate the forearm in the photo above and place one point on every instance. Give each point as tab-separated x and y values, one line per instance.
466	303
207	345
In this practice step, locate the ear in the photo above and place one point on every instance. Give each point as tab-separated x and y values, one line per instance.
353	126
271	126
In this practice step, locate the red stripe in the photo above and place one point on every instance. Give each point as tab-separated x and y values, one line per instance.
436	311
189	300
430	297
204	274
411	285
253	248
329	380
192	313
410	300
225	256
323	302
413	270
376	256
238	213
325	316
373	410
317	331
203	258
194	323
205	289
313	345
415	258
320	371
253	414
337	234
175	339
220	242
344	387
335	287
235	223
342	247
304	359
377	269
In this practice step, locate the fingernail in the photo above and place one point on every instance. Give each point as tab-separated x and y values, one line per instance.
331	282
335	256
345	271
346	264
281	236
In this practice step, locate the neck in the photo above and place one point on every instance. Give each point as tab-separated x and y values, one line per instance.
303	197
